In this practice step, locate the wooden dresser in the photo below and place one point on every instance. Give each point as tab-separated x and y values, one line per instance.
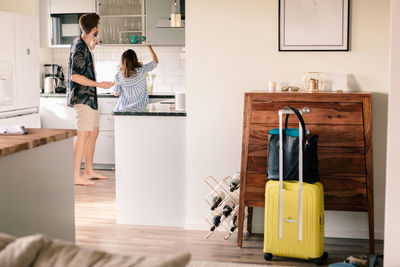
343	122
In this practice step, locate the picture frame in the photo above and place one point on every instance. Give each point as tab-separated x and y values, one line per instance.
313	25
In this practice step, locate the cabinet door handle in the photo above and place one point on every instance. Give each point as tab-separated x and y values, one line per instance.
306	110
110	135
110	119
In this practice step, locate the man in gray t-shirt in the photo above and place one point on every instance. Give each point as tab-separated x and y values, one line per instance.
82	95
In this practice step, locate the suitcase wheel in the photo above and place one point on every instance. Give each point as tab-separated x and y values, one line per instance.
323	258
267	256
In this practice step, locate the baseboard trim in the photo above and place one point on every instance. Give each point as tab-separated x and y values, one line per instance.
100	166
335	232
259	228
196	226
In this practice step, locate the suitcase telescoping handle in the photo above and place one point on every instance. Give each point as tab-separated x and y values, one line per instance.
290	110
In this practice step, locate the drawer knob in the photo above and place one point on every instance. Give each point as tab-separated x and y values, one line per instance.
306	110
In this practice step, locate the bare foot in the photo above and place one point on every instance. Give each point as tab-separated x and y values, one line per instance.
83	181
94	175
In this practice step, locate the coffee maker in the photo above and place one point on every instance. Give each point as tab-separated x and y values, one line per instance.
54	79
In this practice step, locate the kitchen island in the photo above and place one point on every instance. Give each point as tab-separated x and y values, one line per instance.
150	166
36	183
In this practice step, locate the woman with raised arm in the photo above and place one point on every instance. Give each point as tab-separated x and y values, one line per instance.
131	86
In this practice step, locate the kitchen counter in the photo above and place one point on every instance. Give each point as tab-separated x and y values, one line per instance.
37	183
10	144
107	95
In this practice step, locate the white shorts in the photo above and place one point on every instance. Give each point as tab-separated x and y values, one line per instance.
86	117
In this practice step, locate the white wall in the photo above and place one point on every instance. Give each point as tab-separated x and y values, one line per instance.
231	48
392	214
18	6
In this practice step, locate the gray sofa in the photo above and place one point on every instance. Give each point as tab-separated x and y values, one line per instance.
41	251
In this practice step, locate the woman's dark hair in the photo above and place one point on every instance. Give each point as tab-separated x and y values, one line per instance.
129	63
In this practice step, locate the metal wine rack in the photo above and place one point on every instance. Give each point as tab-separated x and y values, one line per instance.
215	188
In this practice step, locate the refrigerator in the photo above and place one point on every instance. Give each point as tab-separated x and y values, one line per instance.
19	70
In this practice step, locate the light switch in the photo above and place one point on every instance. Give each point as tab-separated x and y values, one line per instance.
28	51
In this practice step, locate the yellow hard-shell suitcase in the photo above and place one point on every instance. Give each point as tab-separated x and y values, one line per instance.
311	245
294	213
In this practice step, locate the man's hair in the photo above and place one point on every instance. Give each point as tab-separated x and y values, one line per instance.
88	21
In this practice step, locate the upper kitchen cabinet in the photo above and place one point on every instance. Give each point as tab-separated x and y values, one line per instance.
59	20
122	21
72	6
159	30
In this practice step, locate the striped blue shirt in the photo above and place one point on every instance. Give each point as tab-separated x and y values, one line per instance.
133	90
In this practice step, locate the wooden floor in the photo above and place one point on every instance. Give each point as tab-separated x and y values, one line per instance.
96	228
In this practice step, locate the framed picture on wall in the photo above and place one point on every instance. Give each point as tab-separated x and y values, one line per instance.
314	25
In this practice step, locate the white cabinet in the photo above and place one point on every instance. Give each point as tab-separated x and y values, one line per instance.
105	141
29	121
7	31
26	61
55	113
19	55
107	105
104	153
106	122
7	62
72	6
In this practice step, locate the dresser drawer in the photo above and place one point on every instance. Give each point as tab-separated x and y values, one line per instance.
107	105
345	192
106	122
344	161
328	135
321	113
105	148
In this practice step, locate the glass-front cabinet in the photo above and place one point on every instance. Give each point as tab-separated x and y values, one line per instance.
122	21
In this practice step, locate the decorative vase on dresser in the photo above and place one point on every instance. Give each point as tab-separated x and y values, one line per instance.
343	122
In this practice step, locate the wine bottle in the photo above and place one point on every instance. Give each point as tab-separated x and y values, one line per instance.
216	222
227	210
235	183
234	223
217	200
233	226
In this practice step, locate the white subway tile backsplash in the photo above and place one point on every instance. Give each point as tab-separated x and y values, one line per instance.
169	76
171	80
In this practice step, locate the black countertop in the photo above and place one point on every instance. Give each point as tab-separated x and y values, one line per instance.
155	109
151	95
151	113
